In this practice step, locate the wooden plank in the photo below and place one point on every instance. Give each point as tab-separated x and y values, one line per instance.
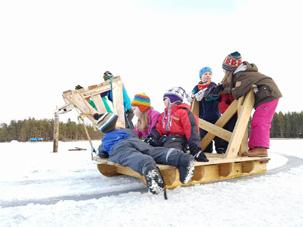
81	104
99	103
230	111
195	107
215	130
100	88
118	106
240	127
203	172
213	160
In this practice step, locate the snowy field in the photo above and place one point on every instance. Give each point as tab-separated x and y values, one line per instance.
41	188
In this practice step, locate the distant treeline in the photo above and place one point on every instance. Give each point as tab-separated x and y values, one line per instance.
23	130
288	125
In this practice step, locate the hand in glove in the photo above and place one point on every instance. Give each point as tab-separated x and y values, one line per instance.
200	157
199	95
197	153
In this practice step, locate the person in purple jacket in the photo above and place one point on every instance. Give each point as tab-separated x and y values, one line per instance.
147	116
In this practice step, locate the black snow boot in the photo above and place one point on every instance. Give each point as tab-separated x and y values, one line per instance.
186	168
154	181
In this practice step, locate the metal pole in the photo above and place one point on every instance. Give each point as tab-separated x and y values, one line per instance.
56	132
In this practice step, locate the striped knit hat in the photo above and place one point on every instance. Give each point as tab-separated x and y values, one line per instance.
142	101
232	61
106	122
107	75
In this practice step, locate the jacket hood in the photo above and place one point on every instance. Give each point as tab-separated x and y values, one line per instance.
246	67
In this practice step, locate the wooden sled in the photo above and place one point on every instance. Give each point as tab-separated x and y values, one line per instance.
220	166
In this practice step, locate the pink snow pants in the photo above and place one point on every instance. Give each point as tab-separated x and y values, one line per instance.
261	124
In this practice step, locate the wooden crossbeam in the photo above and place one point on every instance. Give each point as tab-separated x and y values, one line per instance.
79	99
241	125
215	130
97	100
226	116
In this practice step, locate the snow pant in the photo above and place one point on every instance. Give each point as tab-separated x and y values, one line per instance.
175	141
219	143
261	124
141	157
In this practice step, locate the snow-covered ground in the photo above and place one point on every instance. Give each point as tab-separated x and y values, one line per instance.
41	188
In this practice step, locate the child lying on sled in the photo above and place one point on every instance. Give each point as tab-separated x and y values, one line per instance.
122	146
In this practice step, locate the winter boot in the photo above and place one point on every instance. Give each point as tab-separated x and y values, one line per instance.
154	181
257	152
186	169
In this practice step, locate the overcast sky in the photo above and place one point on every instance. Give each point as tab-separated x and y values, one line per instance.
47	47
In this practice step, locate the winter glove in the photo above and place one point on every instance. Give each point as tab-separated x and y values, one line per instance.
199	95
200	157
189	99
197	153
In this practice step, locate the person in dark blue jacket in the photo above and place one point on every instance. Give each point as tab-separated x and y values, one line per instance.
208	106
122	146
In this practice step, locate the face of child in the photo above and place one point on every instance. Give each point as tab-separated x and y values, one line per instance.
136	111
206	77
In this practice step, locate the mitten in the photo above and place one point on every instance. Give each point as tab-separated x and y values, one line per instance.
199	95
200	157
197	153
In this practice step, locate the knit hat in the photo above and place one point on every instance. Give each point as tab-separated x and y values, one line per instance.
232	61
142	101
106	122
204	70
107	75
175	94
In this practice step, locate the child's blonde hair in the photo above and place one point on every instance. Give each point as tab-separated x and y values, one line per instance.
227	79
142	123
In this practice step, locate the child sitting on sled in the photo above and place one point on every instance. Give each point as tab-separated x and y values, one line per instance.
240	78
177	127
123	147
147	115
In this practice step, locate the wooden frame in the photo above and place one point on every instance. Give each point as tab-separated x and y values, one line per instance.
80	100
219	167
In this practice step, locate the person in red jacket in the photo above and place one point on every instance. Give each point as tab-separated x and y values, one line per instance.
177	126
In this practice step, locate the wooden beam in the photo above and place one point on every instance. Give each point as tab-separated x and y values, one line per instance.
56	133
215	130
240	127
81	104
118	106
230	111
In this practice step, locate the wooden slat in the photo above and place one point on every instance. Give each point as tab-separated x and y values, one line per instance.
240	127
99	103
100	88
81	104
117	90
230	111
195	107
215	130
213	160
